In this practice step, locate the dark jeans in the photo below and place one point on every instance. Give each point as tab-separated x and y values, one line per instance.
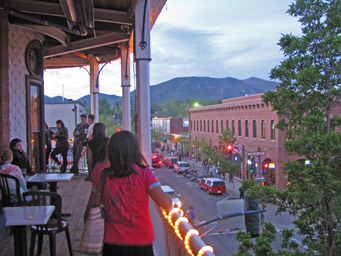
77	151
62	151
126	250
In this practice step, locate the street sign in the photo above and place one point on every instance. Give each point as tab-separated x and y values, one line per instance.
255	153
237	149
259	178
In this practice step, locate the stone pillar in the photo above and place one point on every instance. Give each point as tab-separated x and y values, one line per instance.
4	81
94	87
125	83
142	58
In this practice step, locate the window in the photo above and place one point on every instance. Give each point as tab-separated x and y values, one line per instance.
239	128
254	126
217	126
272	127
204	125
247	128
212	126
233	128
201	125
208	125
222	125
227	124
197	125
191	125
263	129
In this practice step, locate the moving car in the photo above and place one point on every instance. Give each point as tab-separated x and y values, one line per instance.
213	185
170	161
157	161
181	167
175	197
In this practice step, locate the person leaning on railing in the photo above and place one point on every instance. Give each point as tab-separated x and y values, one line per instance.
129	183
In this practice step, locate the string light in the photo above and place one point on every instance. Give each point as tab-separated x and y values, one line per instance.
187	237
177	224
204	249
170	214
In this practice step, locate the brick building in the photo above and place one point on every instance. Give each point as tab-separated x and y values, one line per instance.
253	124
170	128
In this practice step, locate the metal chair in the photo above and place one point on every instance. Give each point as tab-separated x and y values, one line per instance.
55	225
7	201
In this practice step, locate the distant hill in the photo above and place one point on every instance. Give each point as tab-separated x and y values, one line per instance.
85	99
192	88
206	88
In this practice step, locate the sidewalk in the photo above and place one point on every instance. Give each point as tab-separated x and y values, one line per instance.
231	187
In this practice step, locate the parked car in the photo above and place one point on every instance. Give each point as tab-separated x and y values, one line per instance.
175	197
170	161
213	185
157	161
181	166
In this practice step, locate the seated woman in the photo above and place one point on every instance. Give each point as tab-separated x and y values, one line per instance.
6	157
21	159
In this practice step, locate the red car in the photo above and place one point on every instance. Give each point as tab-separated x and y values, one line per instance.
213	185
157	161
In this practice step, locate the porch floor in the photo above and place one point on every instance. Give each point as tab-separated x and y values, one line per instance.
75	195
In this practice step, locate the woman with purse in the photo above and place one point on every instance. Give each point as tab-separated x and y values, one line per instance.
127	185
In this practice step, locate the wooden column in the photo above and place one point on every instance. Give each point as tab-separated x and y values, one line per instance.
4	81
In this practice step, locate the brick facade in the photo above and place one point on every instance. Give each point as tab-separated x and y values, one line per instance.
253	124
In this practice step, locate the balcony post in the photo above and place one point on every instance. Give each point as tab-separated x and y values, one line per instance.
142	58
94	87
125	83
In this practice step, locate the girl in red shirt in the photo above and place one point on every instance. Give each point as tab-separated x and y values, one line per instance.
129	183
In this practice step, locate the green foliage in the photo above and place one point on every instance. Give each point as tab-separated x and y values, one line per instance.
261	246
218	157
305	99
106	113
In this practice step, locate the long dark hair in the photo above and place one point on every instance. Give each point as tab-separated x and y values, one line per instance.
13	143
99	130
124	153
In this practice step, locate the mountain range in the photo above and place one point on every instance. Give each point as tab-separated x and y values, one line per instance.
190	88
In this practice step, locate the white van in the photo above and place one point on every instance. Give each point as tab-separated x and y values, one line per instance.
172	194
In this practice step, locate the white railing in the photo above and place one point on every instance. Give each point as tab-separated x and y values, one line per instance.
175	236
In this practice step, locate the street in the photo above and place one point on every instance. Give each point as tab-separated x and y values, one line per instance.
205	207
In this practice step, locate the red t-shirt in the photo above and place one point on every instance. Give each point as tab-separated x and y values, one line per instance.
126	204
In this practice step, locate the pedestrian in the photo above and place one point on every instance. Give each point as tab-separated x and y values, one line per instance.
97	146
91	122
20	158
79	134
191	216
241	193
62	145
47	133
210	170
128	185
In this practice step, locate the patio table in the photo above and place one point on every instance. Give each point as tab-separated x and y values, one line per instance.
51	178
22	216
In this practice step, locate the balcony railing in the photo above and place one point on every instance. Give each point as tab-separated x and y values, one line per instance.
175	236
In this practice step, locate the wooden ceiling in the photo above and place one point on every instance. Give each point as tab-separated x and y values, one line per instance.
76	30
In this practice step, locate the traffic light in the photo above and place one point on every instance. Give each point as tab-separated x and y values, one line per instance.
229	149
252	220
253	166
193	146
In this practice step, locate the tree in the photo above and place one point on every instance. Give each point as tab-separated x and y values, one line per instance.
305	99
218	157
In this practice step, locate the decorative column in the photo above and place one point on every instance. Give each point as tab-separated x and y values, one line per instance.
125	83
142	58
4	81
94	87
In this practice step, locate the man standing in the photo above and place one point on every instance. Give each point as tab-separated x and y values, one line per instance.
79	135
91	122
62	145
